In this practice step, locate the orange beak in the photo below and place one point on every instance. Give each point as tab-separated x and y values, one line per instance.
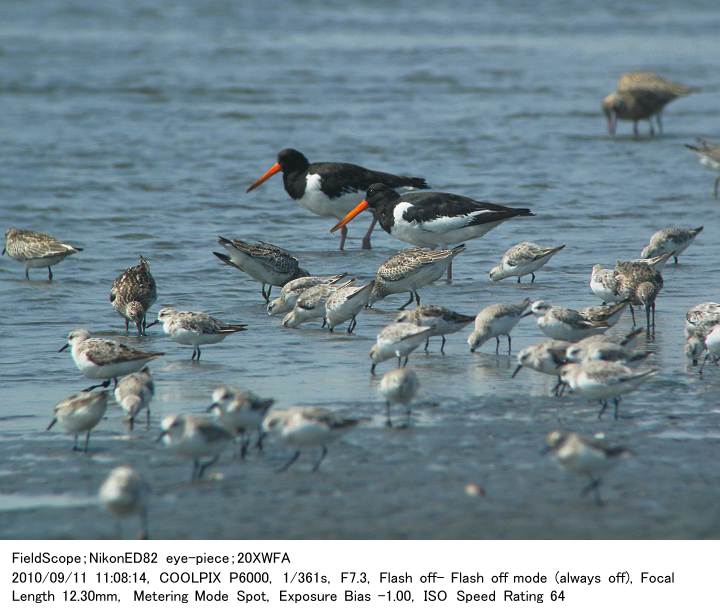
265	176
350	215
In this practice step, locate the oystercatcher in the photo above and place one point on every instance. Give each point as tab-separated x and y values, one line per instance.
330	189
431	219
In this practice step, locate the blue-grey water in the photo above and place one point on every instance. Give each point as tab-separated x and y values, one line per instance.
134	128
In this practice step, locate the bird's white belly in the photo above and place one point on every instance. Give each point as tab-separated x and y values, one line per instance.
191	338
710	163
528	267
315	200
45	261
503	325
93	371
434	234
562	331
308	435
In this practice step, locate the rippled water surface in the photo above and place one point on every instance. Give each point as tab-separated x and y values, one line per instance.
135	129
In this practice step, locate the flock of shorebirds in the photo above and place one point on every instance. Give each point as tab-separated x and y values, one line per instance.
580	352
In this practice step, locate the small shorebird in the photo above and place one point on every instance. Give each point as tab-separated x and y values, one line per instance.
303	427
80	413
431	219
98	358
641	95
241	412
609	314
699	317
132	294
640	284
671	239
523	259
712	344
443	320
409	270
582	455
330	189
285	302
310	304
709	155
263	262
344	304
565	323
546	357
399	385
497	320
397	340
195	437
134	393
601	347
604	283
194	329
124	493
694	348
36	249
603	381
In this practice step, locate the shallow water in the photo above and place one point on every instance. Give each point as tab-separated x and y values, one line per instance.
136	129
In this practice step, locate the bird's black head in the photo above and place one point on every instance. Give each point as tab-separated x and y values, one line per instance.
292	160
379	194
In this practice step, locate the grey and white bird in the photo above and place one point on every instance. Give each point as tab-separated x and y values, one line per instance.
410	270
603	381
268	264
133	293
546	357
585	456
80	413
125	493
565	323
36	249
310	304
671	239
290	291
443	320
106	360
397	340
523	259
399	386
306	427
345	304
712	346
195	329
198	438
241	412
497	320
134	393
700	318
708	154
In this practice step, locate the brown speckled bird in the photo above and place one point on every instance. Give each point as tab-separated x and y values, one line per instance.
132	294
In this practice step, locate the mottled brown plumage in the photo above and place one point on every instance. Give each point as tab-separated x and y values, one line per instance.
132	294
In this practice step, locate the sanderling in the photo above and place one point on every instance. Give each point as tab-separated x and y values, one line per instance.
344	304
263	262
604	285
36	249
589	457
546	357
609	314
709	155
80	413
98	358
132	294
699	317
443	320
712	344
603	381
641	95
601	347
397	340
194	329
497	320
123	493
240	411
523	259
134	393
565	323
306	426
400	386
694	348
409	270
285	302
195	437
671	239
310	304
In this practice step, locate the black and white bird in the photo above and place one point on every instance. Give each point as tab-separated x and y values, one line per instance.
431	219
330	189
